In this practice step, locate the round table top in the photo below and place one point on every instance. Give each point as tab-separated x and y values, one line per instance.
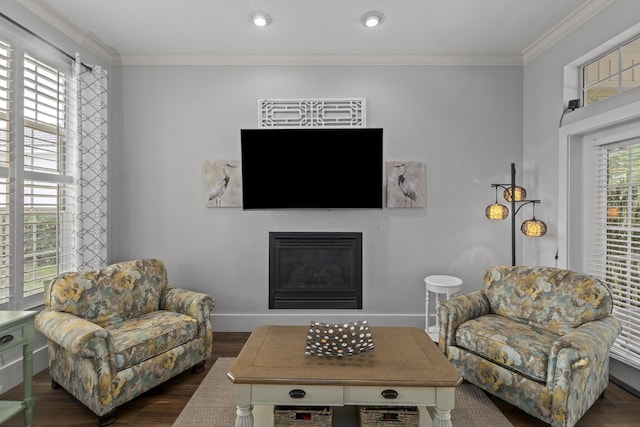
437	282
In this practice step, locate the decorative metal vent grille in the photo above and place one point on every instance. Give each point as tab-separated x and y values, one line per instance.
311	113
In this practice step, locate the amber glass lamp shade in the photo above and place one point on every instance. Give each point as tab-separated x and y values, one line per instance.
613	212
520	192
534	228
496	211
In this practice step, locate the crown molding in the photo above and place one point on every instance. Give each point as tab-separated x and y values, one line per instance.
67	28
564	27
437	59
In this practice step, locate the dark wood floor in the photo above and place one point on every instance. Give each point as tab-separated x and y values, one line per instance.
162	405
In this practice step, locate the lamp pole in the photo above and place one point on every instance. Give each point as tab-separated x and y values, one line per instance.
513	214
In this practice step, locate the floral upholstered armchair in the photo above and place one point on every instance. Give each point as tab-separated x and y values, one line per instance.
536	337
117	332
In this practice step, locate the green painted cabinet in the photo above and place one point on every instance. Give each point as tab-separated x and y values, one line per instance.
17	329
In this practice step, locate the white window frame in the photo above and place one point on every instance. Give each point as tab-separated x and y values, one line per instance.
570	203
5	245
46	54
574	242
619	49
623	279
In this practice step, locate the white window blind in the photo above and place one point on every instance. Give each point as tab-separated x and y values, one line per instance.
5	150
48	177
616	259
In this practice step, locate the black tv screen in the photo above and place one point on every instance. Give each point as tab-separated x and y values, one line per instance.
312	168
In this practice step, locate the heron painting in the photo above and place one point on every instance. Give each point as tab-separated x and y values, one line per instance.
405	185
222	184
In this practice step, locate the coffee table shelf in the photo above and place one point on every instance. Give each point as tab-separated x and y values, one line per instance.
343	416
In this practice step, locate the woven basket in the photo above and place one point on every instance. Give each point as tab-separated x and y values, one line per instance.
386	416
294	416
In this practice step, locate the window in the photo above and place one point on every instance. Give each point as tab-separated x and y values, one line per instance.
617	233
37	225
5	143
614	73
48	201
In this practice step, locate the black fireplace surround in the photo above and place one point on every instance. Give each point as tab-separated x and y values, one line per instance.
315	270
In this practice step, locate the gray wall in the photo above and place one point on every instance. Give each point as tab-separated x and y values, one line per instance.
463	122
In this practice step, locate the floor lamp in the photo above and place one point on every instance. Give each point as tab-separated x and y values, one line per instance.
515	195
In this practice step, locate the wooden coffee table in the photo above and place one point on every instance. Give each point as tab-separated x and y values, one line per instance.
404	369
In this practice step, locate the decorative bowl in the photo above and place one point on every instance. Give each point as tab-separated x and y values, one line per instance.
338	340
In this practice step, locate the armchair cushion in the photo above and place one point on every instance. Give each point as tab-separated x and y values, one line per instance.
136	340
511	344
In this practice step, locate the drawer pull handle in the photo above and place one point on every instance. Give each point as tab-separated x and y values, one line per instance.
5	339
296	393
389	394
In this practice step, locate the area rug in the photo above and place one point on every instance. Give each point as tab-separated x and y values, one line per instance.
212	404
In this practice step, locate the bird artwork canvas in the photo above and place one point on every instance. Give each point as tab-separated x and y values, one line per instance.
405	185
223	188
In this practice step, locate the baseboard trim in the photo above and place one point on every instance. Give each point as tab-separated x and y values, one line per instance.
626	387
246	322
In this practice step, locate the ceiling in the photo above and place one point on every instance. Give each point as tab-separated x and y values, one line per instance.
127	29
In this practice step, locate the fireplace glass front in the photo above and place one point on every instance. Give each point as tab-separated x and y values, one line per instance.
315	270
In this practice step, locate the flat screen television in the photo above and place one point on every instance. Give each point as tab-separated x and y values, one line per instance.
317	168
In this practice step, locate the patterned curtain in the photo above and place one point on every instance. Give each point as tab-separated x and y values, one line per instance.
91	190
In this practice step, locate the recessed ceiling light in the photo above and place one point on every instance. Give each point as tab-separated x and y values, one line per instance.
372	19
260	19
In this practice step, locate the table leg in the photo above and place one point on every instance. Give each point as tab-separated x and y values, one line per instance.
442	418
437	318
445	397
244	411
244	416
426	320
27	367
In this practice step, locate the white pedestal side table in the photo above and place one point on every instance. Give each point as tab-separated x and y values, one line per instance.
439	285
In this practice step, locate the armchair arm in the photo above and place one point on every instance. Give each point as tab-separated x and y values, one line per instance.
194	304
578	364
83	340
75	334
458	310
583	347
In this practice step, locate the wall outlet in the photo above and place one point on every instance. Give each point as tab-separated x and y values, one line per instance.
384	225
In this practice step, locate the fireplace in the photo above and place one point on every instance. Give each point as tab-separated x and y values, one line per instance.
315	270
